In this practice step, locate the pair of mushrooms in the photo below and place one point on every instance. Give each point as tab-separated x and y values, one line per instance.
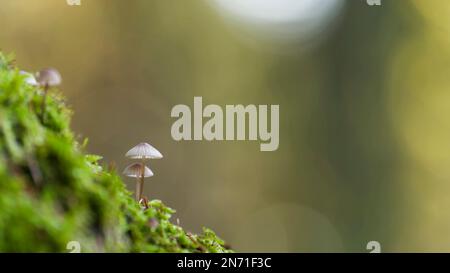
46	78
140	171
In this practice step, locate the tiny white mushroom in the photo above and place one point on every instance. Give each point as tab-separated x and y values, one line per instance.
48	77
135	170
143	151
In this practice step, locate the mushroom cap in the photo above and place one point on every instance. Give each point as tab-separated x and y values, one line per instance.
135	170
29	78
144	151
49	76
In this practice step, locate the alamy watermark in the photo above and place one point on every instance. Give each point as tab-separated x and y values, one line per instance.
373	2
74	247
374	247
73	2
228	124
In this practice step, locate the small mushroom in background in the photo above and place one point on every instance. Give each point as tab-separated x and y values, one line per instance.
140	172
142	151
47	78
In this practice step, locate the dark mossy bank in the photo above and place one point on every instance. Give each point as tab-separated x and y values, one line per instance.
53	192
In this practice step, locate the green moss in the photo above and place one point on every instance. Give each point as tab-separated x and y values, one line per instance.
52	192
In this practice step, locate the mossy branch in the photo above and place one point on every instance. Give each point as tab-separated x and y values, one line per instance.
52	192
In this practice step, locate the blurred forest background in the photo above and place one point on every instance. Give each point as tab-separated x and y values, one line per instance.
364	110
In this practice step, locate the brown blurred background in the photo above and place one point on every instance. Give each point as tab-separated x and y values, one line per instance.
364	110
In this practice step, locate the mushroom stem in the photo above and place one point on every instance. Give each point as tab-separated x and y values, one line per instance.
141	188
138	189
44	99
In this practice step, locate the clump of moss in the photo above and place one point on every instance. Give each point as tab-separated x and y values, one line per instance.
52	192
